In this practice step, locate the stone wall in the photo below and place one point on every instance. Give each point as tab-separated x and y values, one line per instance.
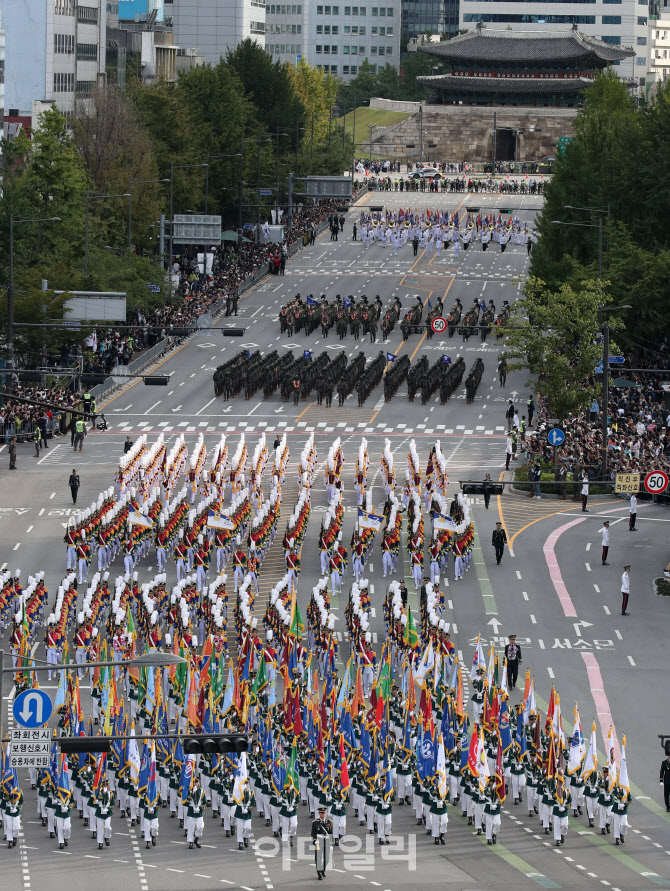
465	132
394	105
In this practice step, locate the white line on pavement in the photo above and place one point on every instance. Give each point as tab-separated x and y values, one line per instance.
205	406
551	672
632	661
153	406
607	609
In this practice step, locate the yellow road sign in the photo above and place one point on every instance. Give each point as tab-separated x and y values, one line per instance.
627	482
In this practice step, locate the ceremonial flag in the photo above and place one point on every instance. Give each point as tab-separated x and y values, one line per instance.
367	520
577	747
345	782
440	521
260	682
143	780
500	774
459	695
390	357
133	757
241	778
478	660
291	781
307	354
529	699
186	777
472	754
138	519
611	759
228	698
216	520
623	770
411	638
64	788
59	699
505	733
591	762
311	301
296	625
152	785
441	769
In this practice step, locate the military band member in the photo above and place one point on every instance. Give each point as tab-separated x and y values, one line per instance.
321	832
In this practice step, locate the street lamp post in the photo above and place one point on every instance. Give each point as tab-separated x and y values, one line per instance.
135	182
10	291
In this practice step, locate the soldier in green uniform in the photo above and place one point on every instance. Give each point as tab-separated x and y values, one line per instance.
492	811
243	818
604	801
621	799
103	813
13	805
321	832
196	803
561	809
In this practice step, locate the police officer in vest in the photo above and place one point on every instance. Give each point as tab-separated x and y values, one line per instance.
79	433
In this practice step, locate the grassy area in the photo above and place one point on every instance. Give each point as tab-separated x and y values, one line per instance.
374	116
662	586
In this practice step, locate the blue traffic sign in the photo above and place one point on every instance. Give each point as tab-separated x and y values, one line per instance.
556	437
32	708
616	360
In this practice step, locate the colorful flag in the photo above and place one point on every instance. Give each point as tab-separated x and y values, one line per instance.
411	638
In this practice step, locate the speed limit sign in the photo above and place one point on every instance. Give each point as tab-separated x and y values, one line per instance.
656	482
438	324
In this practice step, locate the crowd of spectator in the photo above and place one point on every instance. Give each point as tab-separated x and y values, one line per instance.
638	439
19	419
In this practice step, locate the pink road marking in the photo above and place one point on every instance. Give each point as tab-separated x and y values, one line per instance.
601	702
554	569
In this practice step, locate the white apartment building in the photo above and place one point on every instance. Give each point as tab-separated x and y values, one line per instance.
619	22
659	49
214	27
2	71
54	52
336	38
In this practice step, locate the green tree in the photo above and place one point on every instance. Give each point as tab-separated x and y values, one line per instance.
553	336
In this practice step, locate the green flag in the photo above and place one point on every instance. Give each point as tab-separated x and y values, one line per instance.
291	772
218	682
384	683
260	681
142	686
411	638
297	625
130	621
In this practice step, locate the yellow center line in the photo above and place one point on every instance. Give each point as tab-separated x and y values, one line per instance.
304	411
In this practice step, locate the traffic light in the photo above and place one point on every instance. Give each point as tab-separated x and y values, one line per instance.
473	489
71	745
233	332
216	743
667	747
157	380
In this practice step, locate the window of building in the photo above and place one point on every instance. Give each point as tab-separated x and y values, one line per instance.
354	10
345	50
354	69
335	29
319	10
333	49
613	1
63	44
326	29
642	20
361	30
641	41
611	20
381	50
361	50
354	50
375	10
326	49
389	30
614	39
326	10
354	29
85	86
336	10
347	29
63	83
382	32
64	7
87	14
345	69
361	10
319	48
347	10
299	29
87	52
389	50
319	29
643	2
520	18
373	50
641	60
333	69
374	29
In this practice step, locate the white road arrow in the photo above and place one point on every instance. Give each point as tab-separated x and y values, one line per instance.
27	711
278	411
496	624
514	394
178	408
583	625
226	410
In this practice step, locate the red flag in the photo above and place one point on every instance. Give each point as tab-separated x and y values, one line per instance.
288	708
205	661
472	754
297	715
344	770
500	774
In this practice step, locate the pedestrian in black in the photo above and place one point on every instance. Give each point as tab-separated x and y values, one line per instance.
514	660
12	453
486	486
296	390
43	431
531	410
277	442
341	222
415	245
502	372
282	266
127	445
355	232
73	483
499	540
312	237
235	298
665	781
509	414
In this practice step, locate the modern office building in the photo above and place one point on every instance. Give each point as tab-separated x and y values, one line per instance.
334	37
617	22
55	52
659	48
2	71
429	17
213	27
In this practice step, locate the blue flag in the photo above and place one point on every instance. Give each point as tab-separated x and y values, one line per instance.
446	360
186	777
430	305
504	726
152	784
143	780
307	354
311	301
346	302
228	697
390	357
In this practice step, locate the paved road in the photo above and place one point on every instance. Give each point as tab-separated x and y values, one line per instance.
566	613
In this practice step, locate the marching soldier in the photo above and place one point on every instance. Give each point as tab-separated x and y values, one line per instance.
321	832
103	813
196	804
562	798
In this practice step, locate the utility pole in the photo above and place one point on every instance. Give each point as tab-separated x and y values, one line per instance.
240	196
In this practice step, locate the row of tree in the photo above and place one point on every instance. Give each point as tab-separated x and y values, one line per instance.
247	113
